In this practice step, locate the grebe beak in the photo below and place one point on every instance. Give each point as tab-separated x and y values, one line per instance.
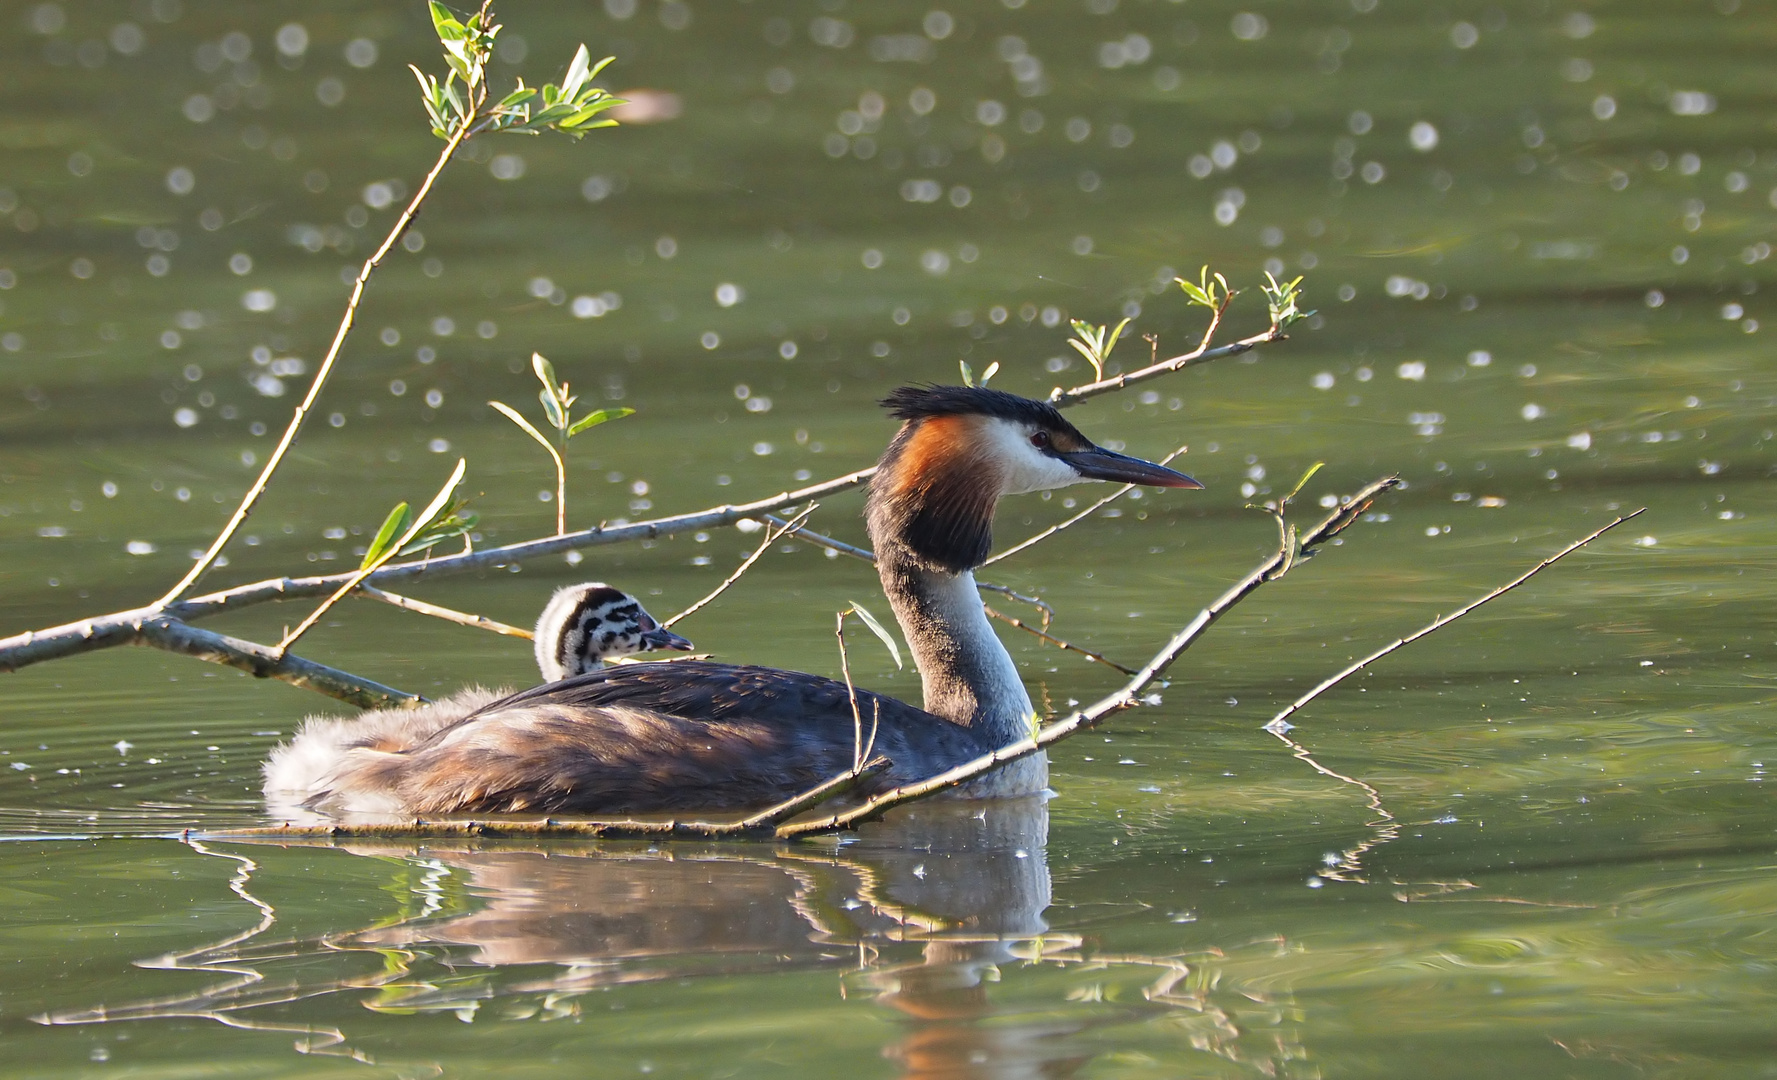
662	638
1101	464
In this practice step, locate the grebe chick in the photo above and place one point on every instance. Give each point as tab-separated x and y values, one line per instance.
581	628
705	736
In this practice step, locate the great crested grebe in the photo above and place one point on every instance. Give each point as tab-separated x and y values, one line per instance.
697	735
581	627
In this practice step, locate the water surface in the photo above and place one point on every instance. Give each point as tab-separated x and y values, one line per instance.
1536	237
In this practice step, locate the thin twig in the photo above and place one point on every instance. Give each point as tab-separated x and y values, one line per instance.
418	525
771	537
239	517
1077	518
1055	641
421	607
851	692
561	469
815	538
1280	723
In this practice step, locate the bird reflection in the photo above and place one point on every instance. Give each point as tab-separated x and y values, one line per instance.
919	914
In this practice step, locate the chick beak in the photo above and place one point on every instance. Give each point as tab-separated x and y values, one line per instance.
662	638
1101	464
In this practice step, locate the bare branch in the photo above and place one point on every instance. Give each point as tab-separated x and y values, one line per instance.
1077	518
407	603
239	517
265	662
771	537
1279	723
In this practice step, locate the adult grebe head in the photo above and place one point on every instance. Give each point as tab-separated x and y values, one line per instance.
960	448
584	625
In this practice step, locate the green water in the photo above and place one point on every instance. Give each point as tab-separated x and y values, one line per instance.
1572	873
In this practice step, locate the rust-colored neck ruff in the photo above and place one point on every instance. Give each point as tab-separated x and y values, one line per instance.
935	492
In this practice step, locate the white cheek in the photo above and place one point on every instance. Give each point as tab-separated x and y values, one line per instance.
1027	468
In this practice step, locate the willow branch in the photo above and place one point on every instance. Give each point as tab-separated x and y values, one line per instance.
241	512
1126	697
264	662
772	534
1279	723
421	607
1203	354
105	631
1079	517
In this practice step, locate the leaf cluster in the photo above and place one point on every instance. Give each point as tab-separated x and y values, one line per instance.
1094	343
969	373
1281	298
572	108
1204	293
558	406
442	519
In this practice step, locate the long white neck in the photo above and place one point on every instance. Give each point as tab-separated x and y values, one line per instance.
969	677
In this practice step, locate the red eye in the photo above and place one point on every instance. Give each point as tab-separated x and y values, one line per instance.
1040	440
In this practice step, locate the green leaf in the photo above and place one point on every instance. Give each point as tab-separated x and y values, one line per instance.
992	369
876	628
1115	334
446	24
431	513
454	523
435	512
512	414
594	419
394	525
578	71
1302	483
552	409
544	369
968	373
